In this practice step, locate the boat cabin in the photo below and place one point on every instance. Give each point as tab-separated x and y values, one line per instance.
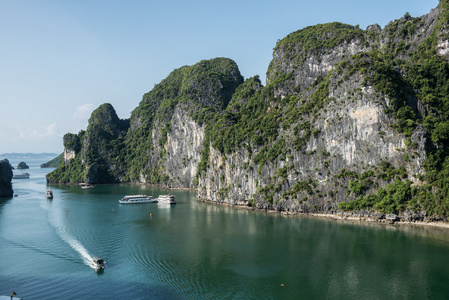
98	262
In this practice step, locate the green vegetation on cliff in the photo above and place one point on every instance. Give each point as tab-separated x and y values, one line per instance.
123	150
203	89
422	75
278	126
55	162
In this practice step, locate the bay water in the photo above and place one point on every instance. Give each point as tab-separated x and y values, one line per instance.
196	250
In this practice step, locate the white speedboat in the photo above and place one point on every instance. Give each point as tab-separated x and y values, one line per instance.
98	263
49	194
170	199
134	199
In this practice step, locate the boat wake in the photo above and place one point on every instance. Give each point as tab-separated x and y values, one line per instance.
76	245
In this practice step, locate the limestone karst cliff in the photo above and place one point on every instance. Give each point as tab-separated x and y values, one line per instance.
5	178
349	119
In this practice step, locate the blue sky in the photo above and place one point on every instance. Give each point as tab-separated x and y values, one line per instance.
61	59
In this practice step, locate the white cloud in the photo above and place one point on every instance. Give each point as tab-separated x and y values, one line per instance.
46	131
50	129
83	111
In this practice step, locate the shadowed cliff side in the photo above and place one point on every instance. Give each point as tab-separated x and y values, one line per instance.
5	179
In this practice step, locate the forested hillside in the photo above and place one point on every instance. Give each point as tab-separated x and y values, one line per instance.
349	120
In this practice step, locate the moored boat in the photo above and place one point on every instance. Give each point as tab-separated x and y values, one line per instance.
135	199
170	199
87	186
49	194
21	176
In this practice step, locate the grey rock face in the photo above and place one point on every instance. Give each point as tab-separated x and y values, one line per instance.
183	146
354	133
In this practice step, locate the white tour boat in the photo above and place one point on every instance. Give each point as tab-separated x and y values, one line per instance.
170	199
87	186
134	199
21	176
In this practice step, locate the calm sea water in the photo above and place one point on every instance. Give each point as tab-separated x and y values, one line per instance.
197	250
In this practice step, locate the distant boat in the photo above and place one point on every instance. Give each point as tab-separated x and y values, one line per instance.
87	186
170	199
135	199
21	176
98	263
49	194
12	297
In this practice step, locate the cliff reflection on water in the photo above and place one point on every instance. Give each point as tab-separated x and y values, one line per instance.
198	250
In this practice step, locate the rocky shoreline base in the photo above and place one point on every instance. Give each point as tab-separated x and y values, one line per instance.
399	221
373	218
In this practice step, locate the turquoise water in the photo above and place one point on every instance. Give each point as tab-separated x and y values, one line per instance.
196	250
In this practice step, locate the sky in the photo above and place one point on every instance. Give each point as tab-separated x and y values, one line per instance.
61	59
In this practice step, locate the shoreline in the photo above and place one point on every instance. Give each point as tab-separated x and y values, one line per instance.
340	217
337	217
435	224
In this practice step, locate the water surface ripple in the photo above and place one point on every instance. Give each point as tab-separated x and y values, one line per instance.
196	250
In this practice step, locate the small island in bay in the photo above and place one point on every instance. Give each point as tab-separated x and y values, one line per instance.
22	166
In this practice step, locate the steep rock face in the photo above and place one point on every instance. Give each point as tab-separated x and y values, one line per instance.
68	155
229	179
345	133
72	145
167	128
311	52
183	147
5	179
178	156
353	133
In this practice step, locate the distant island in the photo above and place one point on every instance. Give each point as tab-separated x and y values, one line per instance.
28	155
54	163
22	165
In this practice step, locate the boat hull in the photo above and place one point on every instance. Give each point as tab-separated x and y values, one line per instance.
21	176
137	199
167	199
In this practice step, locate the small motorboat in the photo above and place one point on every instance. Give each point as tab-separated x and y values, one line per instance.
49	194
98	262
87	186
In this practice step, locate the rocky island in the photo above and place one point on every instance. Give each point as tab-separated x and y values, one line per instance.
5	179
350	121
22	166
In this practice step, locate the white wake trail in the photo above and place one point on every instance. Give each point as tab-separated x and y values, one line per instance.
76	245
61	231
